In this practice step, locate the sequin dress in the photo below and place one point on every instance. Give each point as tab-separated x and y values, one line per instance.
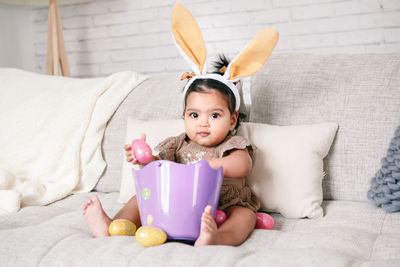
234	192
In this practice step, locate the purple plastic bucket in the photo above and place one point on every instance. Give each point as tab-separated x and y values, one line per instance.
172	196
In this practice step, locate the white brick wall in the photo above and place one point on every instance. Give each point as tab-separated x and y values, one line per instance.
106	36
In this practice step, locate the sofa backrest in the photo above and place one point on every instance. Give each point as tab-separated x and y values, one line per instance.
359	92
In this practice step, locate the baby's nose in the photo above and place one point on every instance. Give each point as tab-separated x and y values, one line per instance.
204	122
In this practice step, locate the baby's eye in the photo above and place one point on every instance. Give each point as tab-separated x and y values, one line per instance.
215	115
194	115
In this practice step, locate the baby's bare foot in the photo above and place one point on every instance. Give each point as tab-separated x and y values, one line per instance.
96	218
208	230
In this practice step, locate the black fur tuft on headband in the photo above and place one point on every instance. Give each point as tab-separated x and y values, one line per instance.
219	64
219	67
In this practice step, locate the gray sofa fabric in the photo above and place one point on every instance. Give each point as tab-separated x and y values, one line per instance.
359	92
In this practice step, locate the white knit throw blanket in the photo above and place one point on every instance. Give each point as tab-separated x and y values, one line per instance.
51	130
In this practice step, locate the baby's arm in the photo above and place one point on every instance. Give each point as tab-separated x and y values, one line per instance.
237	164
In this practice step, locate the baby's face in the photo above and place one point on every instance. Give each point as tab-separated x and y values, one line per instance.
207	118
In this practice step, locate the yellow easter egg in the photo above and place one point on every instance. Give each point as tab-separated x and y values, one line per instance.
122	227
149	236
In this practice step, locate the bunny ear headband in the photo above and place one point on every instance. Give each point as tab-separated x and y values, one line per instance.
190	43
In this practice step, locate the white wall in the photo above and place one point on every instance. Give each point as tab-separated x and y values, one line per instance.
16	37
106	36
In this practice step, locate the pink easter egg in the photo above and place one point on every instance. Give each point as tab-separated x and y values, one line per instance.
220	217
264	221
141	150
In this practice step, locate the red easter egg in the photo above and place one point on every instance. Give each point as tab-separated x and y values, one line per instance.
264	221
141	150
220	217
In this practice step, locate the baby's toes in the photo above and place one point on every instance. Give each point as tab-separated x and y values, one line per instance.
89	202
86	205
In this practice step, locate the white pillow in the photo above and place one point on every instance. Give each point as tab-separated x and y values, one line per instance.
288	166
156	131
287	170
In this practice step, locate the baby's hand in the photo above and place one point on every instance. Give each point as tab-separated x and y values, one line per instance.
129	155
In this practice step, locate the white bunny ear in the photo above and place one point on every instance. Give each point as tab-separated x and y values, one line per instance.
254	56
188	38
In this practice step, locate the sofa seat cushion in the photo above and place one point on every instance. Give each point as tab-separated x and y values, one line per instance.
353	229
350	233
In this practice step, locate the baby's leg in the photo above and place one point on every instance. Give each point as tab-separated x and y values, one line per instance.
238	226
130	212
233	231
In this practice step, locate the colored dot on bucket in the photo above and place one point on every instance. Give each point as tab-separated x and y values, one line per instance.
146	193
149	219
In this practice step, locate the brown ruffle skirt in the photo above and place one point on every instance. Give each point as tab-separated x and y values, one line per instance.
237	195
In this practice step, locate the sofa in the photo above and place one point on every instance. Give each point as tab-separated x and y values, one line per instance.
360	93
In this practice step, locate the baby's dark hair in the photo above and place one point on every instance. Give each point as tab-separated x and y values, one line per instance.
201	85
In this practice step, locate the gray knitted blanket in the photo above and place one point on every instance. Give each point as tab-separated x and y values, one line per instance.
385	186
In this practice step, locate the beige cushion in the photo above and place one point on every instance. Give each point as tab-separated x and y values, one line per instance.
288	167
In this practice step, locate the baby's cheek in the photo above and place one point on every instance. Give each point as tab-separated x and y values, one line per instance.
190	134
